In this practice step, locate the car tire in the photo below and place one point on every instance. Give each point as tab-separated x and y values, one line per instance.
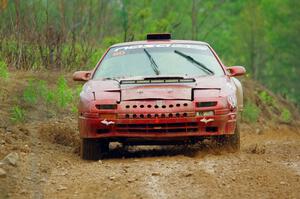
231	141
93	149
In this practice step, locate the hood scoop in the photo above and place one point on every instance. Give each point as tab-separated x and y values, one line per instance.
163	92
158	80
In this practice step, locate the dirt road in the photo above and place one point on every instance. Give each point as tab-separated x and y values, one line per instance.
268	166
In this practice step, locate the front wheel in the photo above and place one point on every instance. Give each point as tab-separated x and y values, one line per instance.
93	149
231	141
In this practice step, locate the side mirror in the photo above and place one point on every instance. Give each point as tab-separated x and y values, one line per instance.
82	75
236	71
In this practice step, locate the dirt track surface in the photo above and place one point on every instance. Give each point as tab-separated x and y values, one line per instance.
268	166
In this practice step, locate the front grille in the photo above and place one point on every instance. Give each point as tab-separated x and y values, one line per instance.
156	109
179	127
155	115
156	106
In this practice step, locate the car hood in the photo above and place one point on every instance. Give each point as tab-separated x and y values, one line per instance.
211	86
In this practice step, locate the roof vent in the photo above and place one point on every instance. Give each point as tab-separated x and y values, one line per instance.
158	36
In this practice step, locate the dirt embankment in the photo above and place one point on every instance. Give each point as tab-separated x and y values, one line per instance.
48	165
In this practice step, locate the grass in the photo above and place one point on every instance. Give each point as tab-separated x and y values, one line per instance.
251	112
3	70
286	116
17	114
30	93
59	98
63	93
266	98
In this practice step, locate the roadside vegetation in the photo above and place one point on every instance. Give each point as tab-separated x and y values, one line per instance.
17	114
265	104
251	113
3	70
72	35
37	94
60	98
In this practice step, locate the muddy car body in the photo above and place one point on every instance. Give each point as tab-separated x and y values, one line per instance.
158	91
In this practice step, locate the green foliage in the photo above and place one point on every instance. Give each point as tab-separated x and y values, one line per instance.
266	98
74	109
77	91
95	57
17	114
38	90
63	93
44	92
286	116
42	87
3	70
49	97
30	93
25	55
251	112
76	97
108	41
59	98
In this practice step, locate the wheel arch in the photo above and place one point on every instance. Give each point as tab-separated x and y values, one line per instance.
239	94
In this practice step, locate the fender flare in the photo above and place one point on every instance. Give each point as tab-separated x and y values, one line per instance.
239	93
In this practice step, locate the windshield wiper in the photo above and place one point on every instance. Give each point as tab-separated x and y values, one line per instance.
153	64
198	64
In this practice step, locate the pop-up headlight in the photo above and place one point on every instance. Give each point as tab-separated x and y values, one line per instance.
106	106
206	104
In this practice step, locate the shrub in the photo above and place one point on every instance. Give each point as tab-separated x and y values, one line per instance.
3	70
286	116
43	90
17	114
74	109
266	98
95	57
30	93
49	97
108	41
76	93
61	97
63	93
251	112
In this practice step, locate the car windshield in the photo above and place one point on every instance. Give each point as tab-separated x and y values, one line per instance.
158	60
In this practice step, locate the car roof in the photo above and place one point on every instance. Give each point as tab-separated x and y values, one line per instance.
160	42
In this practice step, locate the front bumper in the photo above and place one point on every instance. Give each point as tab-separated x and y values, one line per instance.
158	127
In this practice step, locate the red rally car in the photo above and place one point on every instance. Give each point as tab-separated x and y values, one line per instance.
158	91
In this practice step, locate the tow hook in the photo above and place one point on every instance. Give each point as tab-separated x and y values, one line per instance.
207	120
107	123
